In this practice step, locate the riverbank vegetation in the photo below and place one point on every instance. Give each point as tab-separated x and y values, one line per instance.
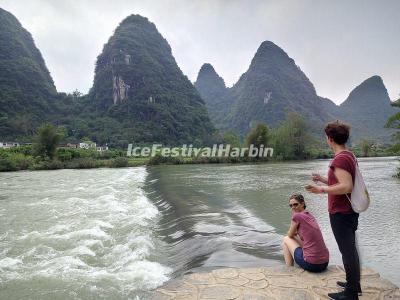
45	154
23	158
290	141
394	122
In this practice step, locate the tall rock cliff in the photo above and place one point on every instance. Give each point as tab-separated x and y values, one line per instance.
27	90
138	83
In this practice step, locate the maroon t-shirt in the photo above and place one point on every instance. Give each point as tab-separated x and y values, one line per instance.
314	248
339	203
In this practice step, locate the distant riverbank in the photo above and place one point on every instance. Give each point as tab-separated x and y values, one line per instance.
22	159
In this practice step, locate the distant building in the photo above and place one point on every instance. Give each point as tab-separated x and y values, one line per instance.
102	148
87	145
71	145
7	145
68	146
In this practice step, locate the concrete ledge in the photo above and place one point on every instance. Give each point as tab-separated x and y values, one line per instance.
275	283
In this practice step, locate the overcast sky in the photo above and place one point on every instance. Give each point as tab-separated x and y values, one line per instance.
337	44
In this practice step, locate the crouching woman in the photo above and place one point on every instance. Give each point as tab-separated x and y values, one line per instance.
304	243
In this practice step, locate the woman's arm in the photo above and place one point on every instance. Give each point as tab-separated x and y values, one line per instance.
293	229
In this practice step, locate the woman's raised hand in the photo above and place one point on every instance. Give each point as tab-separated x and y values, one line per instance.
316	177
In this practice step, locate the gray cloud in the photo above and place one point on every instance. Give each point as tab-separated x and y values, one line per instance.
338	44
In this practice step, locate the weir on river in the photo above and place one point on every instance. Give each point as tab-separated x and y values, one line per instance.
122	233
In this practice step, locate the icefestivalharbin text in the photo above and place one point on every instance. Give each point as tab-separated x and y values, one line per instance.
217	150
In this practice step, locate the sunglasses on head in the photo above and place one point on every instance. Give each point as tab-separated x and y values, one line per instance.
293	205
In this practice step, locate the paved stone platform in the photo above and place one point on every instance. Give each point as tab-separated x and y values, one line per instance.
275	283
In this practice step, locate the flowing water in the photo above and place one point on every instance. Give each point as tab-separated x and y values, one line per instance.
119	233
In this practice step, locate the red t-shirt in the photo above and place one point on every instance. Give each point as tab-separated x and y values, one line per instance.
314	248
339	203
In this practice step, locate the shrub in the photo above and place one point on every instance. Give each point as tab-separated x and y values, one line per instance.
7	164
22	161
25	149
64	154
159	159
10	161
119	162
47	165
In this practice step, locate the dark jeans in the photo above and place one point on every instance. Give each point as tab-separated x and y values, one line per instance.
344	228
299	259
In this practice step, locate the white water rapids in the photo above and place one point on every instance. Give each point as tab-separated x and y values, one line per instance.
79	233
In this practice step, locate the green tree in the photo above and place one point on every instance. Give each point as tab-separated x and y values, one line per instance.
76	94
231	138
62	131
366	146
46	141
394	121
258	136
291	138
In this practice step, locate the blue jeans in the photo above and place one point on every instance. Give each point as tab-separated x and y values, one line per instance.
299	259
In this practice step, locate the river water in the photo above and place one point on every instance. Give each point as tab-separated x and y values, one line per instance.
119	233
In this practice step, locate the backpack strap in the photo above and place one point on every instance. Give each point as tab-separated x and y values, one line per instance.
352	154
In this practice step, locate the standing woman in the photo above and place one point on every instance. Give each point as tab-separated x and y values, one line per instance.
309	252
344	221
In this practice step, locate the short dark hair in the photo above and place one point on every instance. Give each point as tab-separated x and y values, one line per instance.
338	131
299	198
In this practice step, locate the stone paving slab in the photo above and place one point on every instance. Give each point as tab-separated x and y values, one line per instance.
271	283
